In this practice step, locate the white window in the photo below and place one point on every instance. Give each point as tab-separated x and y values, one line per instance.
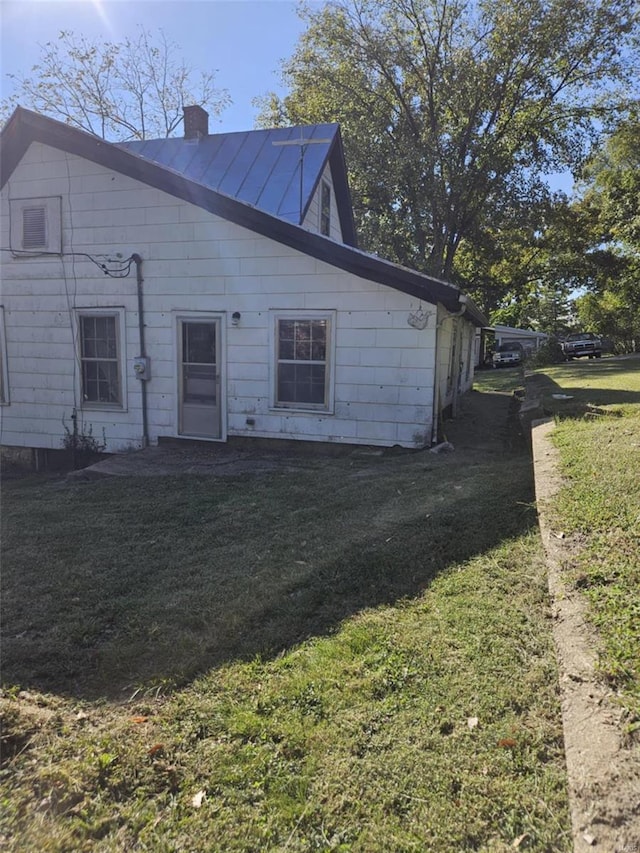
303	362
4	373
36	225
100	333
325	209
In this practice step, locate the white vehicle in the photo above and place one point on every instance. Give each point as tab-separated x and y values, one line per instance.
508	355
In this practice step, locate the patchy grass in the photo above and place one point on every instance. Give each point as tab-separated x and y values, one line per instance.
592	387
345	655
600	505
504	379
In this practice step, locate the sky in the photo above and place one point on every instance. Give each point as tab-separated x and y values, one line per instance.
244	41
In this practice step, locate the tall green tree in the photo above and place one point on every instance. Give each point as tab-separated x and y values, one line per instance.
611	185
525	274
451	110
610	203
131	89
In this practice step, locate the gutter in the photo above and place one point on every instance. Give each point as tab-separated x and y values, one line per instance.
436	373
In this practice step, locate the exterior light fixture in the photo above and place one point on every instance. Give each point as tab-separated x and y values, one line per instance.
235	318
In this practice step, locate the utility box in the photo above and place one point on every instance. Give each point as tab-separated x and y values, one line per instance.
142	368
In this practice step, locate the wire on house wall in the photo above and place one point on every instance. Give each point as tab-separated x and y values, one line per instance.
112	267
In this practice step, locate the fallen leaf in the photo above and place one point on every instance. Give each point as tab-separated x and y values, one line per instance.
472	722
507	743
520	839
196	800
139	719
155	749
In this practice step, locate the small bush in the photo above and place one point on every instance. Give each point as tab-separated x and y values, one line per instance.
548	353
81	443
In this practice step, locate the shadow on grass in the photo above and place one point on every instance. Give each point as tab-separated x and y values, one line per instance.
129	584
585	398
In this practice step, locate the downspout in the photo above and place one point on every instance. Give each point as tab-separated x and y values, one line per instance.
436	391
143	353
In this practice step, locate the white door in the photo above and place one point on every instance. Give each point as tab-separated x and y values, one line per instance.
199	412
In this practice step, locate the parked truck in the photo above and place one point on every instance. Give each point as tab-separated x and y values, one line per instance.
579	344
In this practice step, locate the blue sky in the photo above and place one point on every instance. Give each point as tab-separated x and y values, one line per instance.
245	40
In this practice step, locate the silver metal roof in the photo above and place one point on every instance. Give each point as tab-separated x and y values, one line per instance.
258	167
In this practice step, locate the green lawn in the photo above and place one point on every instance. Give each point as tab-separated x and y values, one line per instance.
598	434
503	379
349	654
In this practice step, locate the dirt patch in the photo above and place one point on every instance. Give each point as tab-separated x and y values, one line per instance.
486	423
603	768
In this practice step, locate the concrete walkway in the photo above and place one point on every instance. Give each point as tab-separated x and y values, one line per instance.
188	458
603	772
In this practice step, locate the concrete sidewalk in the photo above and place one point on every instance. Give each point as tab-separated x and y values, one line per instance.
603	772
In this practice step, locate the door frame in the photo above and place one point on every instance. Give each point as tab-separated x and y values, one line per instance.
202	317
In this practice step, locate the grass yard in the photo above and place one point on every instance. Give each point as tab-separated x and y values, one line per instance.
598	434
350	654
503	379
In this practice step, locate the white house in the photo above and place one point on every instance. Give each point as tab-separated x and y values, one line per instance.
210	287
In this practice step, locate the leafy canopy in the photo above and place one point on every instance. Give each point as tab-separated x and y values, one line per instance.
610	206
452	110
133	89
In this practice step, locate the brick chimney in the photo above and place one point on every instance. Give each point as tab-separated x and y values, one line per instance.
196	122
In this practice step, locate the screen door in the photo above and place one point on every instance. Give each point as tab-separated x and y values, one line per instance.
199	378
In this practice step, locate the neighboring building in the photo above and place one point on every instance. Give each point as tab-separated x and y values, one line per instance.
210	287
529	340
492	337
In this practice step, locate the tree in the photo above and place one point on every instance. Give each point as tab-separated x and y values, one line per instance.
451	109
134	89
610	203
611	183
527	274
610	315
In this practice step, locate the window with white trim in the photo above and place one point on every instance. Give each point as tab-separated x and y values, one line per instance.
303	363
99	341
325	209
36	225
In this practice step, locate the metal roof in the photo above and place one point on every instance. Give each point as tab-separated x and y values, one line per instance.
259	167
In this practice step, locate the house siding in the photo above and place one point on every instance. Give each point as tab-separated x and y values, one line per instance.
194	261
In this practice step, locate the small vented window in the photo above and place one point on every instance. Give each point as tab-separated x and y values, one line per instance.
34	228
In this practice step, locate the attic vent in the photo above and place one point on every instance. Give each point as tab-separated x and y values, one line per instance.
34	228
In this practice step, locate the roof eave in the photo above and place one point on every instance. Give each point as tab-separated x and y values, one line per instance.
25	127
